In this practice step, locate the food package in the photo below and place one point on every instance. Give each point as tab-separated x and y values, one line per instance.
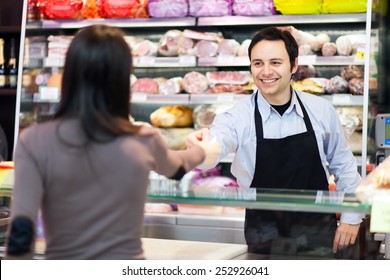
377	183
206	48
228	47
92	9
352	71
253	7
145	85
168	8
174	43
195	82
297	7
343	6
356	86
172	116
304	71
60	9
206	8
125	8
337	84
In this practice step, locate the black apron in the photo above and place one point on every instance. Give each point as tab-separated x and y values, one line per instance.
292	162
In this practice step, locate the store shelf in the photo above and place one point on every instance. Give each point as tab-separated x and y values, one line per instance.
344	99
153	61
282	19
125	23
159	98
216	98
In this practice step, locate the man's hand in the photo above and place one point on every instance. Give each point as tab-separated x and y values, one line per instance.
345	235
196	137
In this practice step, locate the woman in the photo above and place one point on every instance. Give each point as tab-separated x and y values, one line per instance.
87	169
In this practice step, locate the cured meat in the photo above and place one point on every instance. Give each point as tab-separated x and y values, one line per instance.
145	85
337	84
145	48
201	35
205	48
229	77
243	49
171	86
352	71
195	82
356	86
174	43
329	49
228	47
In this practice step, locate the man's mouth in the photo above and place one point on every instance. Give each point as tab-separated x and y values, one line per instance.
268	81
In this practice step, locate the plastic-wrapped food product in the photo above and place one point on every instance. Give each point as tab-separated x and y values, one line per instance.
243	49
204	48
304	71
145	85
352	71
171	86
173	43
205	8
92	9
228	47
344	6
253	7
60	9
125	8
290	7
356	86
204	114
343	45
168	8
195	82
337	84
319	41
377	183
329	49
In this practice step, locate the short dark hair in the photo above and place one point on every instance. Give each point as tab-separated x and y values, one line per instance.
276	34
96	82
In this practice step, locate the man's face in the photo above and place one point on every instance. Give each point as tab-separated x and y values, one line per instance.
271	70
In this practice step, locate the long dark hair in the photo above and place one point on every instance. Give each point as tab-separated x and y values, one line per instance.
276	34
96	82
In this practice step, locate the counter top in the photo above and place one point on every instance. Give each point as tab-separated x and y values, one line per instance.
165	249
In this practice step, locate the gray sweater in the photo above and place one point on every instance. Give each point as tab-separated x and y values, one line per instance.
92	198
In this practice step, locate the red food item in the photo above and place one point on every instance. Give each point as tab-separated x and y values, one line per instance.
125	8
60	9
145	85
195	82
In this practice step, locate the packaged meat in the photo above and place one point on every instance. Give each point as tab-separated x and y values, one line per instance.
228	77
375	184
171	86
304	71
319	41
356	86
92	9
343	7
145	48
125	8
204	114
343	45
172	116
253	7
329	49
206	8
205	48
243	49
352	71
168	8
196	35
173	43
337	84
145	85
300	36
228	47
60	9
291	7
195	82
305	49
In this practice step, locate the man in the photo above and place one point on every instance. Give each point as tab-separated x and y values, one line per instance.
285	139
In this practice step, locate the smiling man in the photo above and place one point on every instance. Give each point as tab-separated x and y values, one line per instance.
286	139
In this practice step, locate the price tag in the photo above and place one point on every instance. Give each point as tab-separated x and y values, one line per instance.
225	97
49	93
147	60
380	214
341	99
187	60
307	59
139	97
360	52
225	59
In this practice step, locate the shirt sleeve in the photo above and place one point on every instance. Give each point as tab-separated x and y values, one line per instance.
28	189
168	162
342	163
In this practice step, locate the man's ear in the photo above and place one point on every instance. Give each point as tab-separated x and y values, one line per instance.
295	66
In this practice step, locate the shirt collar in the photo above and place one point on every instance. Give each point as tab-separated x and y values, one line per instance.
265	107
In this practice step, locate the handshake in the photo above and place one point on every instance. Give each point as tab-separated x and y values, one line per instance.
211	147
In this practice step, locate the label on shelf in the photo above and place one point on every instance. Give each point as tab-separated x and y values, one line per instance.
49	93
341	99
139	97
